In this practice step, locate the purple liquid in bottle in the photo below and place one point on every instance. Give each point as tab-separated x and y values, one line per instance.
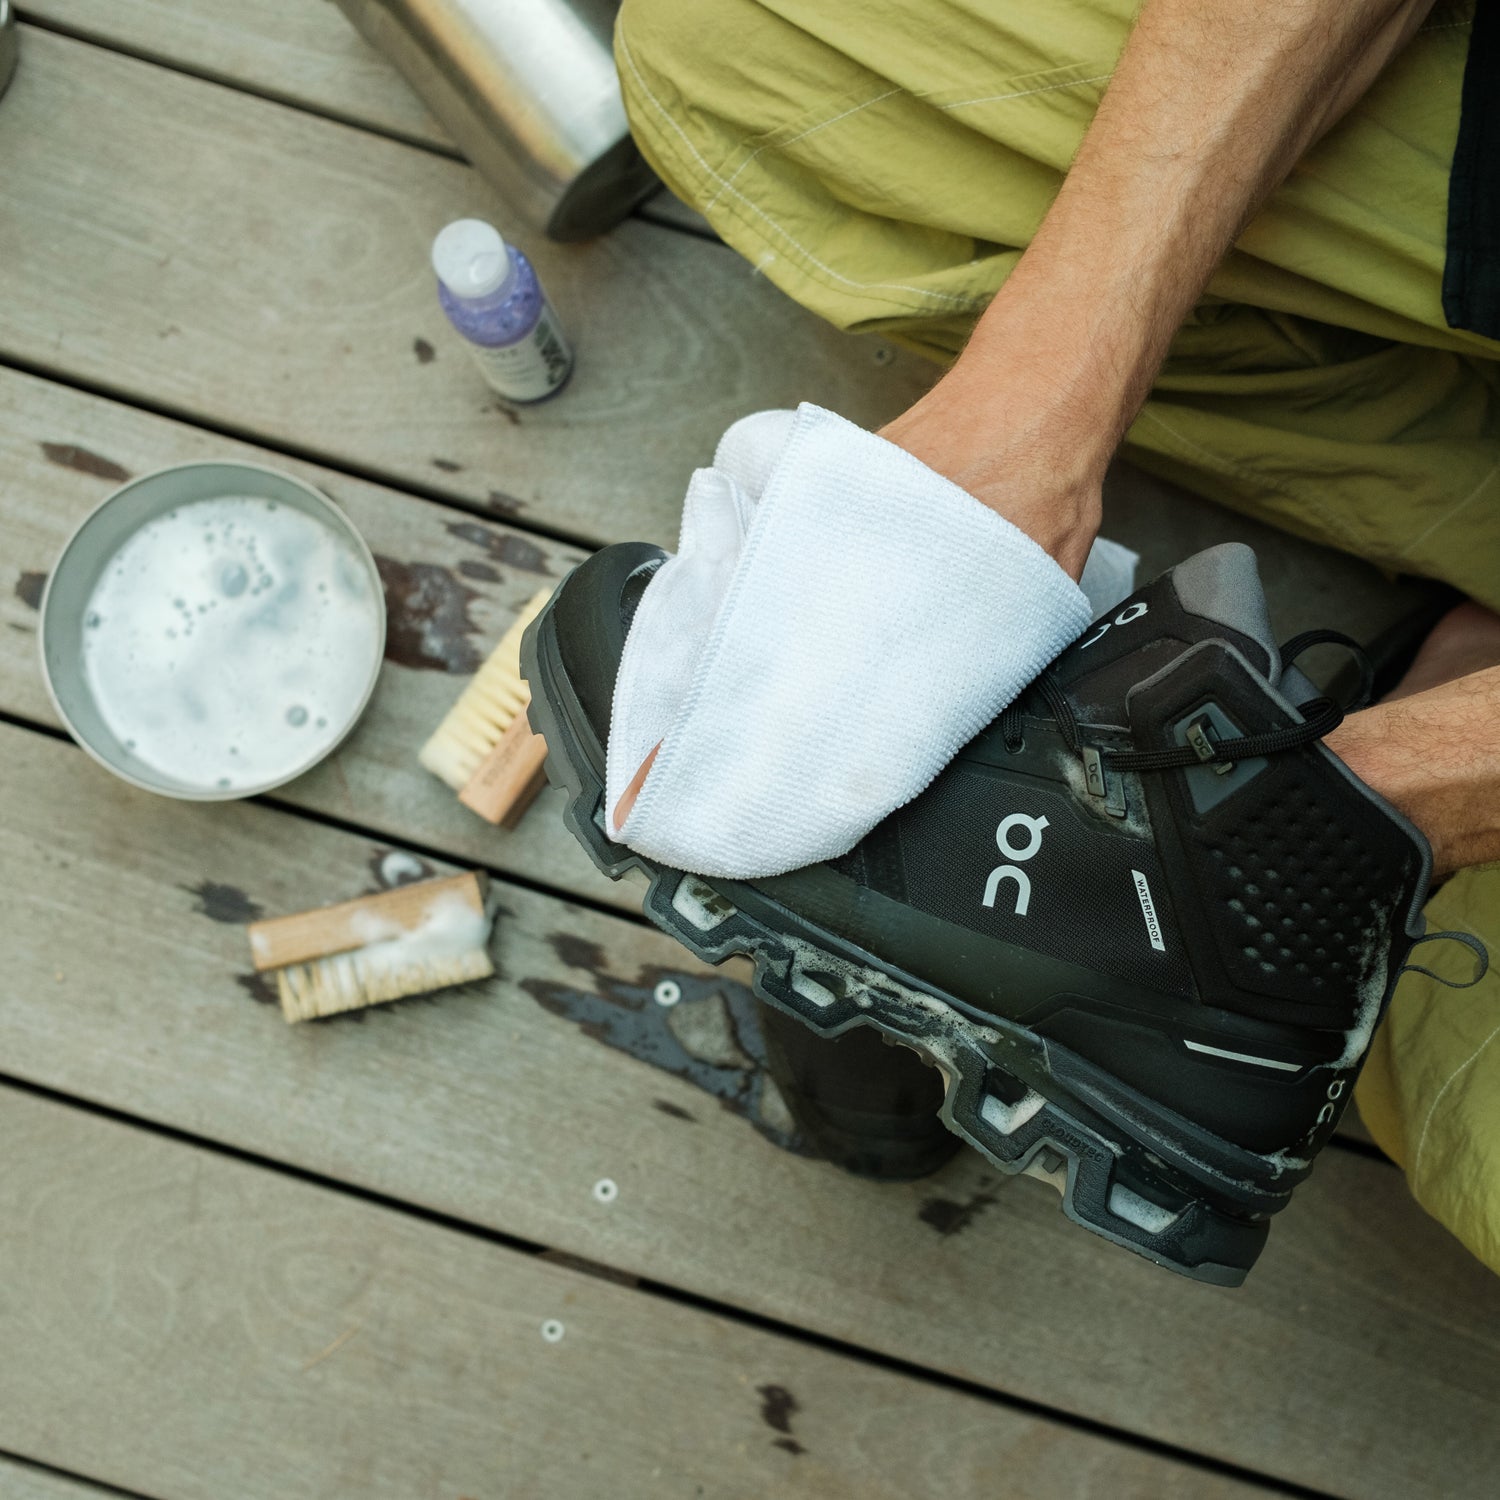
492	297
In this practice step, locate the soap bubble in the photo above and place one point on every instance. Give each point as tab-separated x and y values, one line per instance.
92	620
233	578
296	716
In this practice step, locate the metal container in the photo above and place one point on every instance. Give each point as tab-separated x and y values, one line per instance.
529	91
9	43
93	546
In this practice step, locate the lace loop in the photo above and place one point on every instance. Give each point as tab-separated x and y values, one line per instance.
1294	648
1472	943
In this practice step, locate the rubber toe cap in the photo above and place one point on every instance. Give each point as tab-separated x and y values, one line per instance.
592	612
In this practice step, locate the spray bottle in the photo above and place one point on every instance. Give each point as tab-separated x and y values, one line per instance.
493	298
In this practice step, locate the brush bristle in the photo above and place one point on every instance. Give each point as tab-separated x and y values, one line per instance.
349	981
495	695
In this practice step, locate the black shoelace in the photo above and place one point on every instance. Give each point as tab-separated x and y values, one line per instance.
1320	716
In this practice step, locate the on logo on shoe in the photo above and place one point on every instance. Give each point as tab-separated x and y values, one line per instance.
1034	828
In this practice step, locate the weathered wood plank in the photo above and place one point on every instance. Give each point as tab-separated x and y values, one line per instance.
1363	1357
226	258
305	53
190	1326
453	585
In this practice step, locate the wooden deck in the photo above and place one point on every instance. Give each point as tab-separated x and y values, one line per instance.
240	1261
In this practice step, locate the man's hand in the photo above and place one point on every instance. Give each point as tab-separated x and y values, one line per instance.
1211	105
1025	452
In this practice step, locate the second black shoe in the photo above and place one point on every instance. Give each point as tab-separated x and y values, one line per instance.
1144	924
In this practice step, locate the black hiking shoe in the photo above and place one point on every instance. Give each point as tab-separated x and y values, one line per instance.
1144	923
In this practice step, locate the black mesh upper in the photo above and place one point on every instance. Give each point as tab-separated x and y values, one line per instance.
1299	878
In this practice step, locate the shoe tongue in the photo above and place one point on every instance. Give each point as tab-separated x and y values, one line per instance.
1215	595
1222	587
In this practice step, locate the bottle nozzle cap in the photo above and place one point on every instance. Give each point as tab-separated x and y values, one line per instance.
470	258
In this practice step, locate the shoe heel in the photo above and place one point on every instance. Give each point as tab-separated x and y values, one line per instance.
1156	1214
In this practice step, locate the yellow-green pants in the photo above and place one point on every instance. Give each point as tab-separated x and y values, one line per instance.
885	162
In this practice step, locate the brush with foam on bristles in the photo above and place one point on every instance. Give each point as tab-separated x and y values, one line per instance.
407	941
484	749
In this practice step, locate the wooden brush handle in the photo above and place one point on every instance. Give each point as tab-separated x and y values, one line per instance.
509	777
299	939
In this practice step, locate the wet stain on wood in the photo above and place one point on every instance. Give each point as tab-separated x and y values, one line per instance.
261	988
507	505
676	1111
777	1407
777	1404
29	589
71	456
510	414
427	618
478	571
711	1036
224	903
503	547
949	1217
577	952
424	351
447	466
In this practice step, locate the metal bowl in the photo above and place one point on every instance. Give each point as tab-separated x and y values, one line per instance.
94	545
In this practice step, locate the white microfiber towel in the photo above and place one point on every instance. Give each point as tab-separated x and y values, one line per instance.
837	622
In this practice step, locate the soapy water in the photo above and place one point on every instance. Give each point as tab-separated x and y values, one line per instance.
224	639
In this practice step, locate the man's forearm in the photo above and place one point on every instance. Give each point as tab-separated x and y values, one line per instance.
1211	105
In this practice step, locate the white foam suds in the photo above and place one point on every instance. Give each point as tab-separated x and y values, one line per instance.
229	641
701	904
1009	1118
400	868
1142	1212
449	928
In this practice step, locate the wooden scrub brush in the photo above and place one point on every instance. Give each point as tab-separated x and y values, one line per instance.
407	941
484	749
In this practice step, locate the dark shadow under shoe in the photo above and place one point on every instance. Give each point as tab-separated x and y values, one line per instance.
863	1104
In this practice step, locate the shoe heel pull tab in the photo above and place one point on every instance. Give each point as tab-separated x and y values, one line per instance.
1472	943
